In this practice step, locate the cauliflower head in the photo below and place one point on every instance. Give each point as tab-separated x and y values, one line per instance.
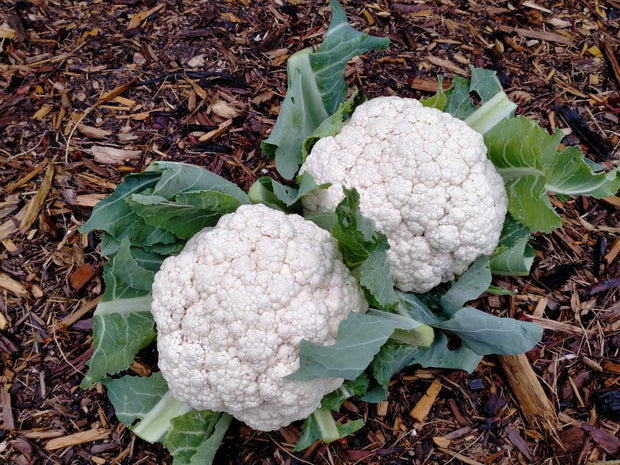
233	306
424	178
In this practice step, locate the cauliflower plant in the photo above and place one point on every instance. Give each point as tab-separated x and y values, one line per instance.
424	178
233	306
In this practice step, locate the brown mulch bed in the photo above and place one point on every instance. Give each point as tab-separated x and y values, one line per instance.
93	90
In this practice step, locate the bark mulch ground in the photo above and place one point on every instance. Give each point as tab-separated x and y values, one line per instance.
93	90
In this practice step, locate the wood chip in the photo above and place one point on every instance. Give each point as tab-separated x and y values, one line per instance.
613	251
612	57
558	326
4	323
25	178
535	6
424	405
7	32
592	364
447	65
557	22
456	411
34	434
224	109
199	90
517	440
533	401
426	85
36	291
18	26
609	442
263	97
94	434
613	200
398	424
382	408
77	315
441	441
461	457
541	305
540	35
7	410
457	433
141	369
14	287
11	226
216	132
93	132
141	116
112	155
43	112
34	205
9	245
290	435
80	277
114	93
406	8
124	101
569	242
611	367
137	19
570	89
87	200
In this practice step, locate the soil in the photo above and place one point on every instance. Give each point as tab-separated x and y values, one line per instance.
92	90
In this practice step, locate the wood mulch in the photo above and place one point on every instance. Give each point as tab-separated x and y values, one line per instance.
92	90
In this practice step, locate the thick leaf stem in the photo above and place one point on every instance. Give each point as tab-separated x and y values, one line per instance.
422	336
125	306
156	422
496	109
326	424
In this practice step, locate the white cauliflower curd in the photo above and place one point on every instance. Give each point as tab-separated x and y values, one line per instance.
233	306
424	178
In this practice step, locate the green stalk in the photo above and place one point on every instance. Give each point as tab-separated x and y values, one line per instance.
156	422
124	306
496	109
422	336
326	424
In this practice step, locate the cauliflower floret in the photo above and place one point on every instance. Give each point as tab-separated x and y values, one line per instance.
233	306
424	178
